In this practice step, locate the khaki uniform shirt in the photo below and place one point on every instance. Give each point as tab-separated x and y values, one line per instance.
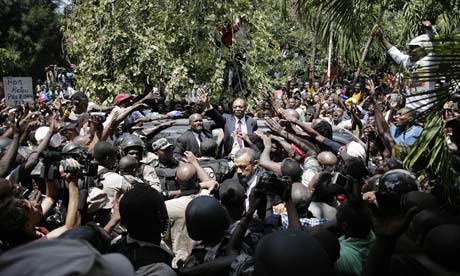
149	176
177	237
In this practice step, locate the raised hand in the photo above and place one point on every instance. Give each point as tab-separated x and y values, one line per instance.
379	34
287	115
15	123
427	24
95	124
190	157
56	124
371	84
273	125
203	97
265	139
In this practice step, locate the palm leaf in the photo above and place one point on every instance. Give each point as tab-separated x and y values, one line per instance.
445	57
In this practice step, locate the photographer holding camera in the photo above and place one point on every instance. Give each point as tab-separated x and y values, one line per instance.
20	218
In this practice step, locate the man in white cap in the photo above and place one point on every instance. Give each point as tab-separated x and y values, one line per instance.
416	62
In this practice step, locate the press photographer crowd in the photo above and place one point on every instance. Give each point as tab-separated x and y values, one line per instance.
308	180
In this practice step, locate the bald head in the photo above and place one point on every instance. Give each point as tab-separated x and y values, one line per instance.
301	197
327	158
193	117
292	112
128	165
185	172
196	122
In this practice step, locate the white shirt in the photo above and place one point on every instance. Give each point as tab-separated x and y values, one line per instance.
244	127
417	69
251	184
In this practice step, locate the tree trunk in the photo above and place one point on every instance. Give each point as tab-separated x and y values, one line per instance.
314	42
329	57
370	39
363	57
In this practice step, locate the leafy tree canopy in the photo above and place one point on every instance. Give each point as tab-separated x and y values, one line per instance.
30	38
129	45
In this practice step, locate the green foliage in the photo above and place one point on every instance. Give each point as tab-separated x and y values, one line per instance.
9	62
431	148
30	37
355	20
127	45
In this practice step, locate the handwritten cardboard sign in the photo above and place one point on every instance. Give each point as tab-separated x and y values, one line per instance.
18	90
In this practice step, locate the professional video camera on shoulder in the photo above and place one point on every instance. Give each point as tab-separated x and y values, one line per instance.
88	167
53	159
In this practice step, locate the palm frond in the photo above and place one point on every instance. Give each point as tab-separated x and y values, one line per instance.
431	149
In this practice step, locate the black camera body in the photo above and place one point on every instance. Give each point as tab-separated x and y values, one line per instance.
88	167
53	159
271	184
50	168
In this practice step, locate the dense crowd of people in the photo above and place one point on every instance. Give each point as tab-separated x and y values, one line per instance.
307	181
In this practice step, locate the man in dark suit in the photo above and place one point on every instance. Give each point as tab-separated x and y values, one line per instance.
237	122
191	139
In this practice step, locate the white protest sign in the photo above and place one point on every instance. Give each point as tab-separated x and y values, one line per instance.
18	90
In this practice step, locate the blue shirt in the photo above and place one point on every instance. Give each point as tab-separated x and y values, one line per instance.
408	136
333	145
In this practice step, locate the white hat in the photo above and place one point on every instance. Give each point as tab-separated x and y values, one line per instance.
41	132
355	149
421	41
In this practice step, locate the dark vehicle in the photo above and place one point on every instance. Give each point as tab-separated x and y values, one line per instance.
340	135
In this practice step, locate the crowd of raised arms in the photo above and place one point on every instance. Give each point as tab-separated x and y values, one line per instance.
308	180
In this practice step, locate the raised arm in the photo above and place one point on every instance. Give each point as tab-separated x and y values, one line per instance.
210	111
382	127
33	158
265	160
150	132
9	157
302	144
200	172
73	216
255	202
52	192
293	216
310	131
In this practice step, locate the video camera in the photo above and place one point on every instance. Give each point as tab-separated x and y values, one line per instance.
53	159
271	184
